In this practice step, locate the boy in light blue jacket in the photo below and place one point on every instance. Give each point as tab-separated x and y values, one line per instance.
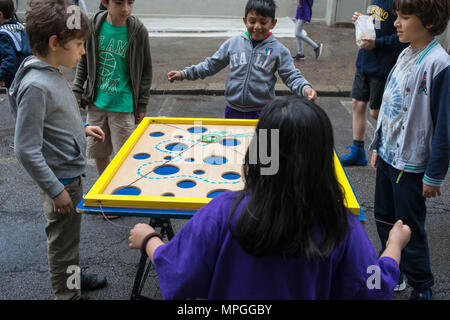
253	58
412	140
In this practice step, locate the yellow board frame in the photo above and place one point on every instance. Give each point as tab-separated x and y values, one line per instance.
95	195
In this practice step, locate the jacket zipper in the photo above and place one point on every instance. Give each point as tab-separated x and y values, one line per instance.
244	99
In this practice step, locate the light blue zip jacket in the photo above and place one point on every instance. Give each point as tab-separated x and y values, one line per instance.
251	80
424	142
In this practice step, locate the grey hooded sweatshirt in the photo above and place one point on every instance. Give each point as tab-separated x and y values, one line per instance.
251	80
50	139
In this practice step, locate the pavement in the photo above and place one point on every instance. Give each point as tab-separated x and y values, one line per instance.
104	247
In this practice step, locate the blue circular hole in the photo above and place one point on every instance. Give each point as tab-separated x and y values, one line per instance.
230	142
186	184
168	195
179	137
141	156
189	160
231	176
214	160
214	193
176	147
166	170
128	191
197	130
199	172
168	158
156	134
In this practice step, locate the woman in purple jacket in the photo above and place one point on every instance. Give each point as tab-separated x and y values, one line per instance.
287	235
304	10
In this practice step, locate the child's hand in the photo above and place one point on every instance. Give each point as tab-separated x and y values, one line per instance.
367	44
374	160
138	233
96	132
355	16
140	116
430	192
399	235
174	75
310	94
63	203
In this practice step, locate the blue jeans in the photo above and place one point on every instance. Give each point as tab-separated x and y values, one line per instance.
231	113
400	197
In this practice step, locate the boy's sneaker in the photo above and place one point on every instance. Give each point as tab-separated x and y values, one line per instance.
11	145
401	286
299	57
356	157
318	50
421	295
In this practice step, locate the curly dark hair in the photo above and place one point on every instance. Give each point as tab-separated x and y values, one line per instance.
52	17
434	12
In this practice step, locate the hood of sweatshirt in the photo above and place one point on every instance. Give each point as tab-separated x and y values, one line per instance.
15	31
29	63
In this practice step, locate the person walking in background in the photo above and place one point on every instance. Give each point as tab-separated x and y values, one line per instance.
304	10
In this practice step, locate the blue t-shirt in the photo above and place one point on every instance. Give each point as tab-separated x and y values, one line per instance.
203	260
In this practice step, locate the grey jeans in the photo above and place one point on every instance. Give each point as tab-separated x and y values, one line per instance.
63	239
299	25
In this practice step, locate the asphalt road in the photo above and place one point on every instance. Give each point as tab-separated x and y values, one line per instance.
104	247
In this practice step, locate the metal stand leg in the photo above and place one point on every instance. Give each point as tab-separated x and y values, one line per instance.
141	277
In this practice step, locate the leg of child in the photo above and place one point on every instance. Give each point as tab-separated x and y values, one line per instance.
409	206
63	238
299	25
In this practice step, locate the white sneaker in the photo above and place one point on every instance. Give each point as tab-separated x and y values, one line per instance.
401	286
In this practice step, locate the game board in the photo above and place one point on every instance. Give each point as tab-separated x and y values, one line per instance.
181	163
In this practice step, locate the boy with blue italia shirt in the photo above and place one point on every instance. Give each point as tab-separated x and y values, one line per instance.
118	70
253	58
412	142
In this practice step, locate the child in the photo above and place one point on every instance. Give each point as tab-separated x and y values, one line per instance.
375	59
118	70
304	11
50	137
411	143
253	59
14	45
285	236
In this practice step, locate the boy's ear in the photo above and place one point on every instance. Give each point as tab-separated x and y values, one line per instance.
105	4
53	42
429	26
274	23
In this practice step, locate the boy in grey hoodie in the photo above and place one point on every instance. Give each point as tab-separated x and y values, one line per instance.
253	58
50	137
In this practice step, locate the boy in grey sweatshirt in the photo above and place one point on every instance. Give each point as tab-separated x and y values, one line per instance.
50	139
253	58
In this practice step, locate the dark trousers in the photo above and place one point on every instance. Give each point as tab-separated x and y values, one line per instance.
399	196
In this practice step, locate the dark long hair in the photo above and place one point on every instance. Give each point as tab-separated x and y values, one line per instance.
300	209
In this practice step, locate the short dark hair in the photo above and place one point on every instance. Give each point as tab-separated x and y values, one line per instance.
287	209
7	8
50	17
435	12
265	8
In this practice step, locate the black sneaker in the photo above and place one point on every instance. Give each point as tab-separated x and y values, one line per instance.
299	57
318	50
11	145
421	295
401	285
90	281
